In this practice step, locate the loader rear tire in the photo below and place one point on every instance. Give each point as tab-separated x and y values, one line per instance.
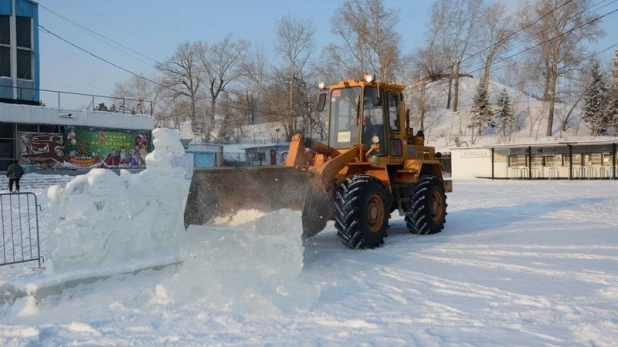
428	212
361	212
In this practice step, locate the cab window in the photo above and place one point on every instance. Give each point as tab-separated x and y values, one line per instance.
393	111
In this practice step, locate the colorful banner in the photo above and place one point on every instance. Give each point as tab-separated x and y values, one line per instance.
45	150
87	147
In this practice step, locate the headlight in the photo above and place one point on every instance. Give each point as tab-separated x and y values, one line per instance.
375	140
368	78
321	85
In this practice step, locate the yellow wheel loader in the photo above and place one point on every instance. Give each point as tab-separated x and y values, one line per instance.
371	166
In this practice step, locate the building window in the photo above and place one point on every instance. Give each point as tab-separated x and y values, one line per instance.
577	160
537	160
24	32
5	46
550	160
27	127
5	30
24	48
6	130
6	149
49	129
518	160
5	61
594	159
24	64
256	156
607	159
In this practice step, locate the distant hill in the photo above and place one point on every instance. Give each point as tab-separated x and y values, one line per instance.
444	128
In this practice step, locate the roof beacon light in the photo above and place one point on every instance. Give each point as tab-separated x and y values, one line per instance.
321	85
368	78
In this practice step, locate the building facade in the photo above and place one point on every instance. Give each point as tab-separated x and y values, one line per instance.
47	138
19	47
595	159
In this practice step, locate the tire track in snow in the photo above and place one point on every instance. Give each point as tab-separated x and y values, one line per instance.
501	253
464	288
599	278
521	313
543	247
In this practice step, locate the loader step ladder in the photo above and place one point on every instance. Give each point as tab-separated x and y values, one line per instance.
19	228
403	210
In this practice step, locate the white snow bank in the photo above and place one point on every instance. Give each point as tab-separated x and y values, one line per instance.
253	267
101	218
102	224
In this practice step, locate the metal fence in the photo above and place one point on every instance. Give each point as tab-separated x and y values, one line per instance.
19	220
60	99
552	173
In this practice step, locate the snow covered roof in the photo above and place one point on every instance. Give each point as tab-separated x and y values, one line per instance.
609	141
582	142
612	140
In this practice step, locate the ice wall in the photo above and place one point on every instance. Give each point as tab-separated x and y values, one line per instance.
105	218
252	267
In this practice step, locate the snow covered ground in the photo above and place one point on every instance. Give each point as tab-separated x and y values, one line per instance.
519	263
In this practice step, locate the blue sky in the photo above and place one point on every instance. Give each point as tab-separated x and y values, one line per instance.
155	28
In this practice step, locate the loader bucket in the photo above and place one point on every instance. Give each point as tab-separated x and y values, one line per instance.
217	194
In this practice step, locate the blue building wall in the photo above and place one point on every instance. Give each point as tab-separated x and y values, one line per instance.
6	7
25	8
204	159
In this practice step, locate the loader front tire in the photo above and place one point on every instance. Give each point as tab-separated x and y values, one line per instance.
428	212
362	212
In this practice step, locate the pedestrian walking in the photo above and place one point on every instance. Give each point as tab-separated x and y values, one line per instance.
14	173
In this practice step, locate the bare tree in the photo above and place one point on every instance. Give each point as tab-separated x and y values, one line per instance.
370	42
495	32
139	95
294	42
450	34
557	40
181	76
259	77
222	64
465	18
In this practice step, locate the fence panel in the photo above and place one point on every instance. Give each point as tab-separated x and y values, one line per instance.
554	173
19	223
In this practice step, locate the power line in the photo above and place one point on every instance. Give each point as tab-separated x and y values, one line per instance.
523	28
96	56
514	33
546	41
592	55
553	38
571	17
135	74
102	37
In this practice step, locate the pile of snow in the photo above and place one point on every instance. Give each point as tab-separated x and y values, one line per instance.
251	267
102	225
103	218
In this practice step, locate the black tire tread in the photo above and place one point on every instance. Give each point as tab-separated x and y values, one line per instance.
348	206
419	221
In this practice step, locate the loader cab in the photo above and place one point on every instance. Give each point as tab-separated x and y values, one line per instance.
364	112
